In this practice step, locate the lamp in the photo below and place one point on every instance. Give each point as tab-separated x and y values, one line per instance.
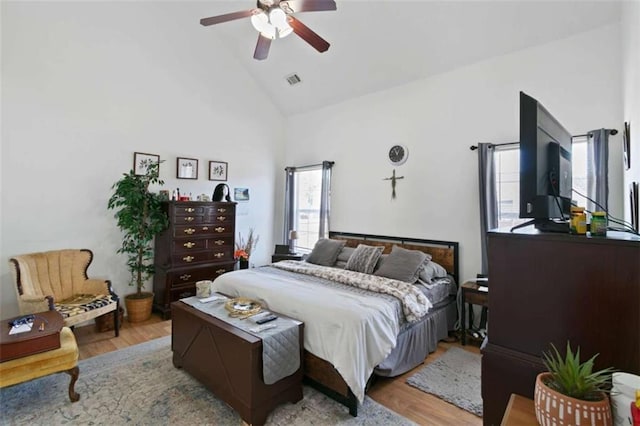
271	23
293	235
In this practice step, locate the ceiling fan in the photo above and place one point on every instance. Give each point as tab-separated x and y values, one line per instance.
273	19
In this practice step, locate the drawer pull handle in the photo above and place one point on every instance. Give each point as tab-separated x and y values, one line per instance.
219	255
189	219
218	242
188	258
205	228
189	231
185	277
189	244
221	210
221	271
221	218
189	210
220	229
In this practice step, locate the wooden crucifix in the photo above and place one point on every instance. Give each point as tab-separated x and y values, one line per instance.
393	180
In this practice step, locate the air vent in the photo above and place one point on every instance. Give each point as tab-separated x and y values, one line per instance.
293	79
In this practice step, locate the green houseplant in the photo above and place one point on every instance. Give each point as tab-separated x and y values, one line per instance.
140	217
571	388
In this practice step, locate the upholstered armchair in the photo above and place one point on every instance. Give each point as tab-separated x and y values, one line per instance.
58	280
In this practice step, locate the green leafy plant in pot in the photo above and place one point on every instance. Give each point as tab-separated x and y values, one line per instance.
140	217
571	392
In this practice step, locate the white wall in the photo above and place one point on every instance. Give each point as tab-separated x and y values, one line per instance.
577	79
631	91
84	85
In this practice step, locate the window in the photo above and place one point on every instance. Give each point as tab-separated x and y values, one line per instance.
507	167
307	205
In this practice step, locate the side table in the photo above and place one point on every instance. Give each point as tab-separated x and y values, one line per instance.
277	257
472	295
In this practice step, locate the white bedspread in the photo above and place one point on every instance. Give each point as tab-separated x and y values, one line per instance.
353	332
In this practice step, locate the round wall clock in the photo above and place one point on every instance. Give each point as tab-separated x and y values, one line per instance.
398	154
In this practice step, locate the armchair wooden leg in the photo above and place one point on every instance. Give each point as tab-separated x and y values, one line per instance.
116	320
74	373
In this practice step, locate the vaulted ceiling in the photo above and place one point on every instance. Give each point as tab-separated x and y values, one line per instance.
377	45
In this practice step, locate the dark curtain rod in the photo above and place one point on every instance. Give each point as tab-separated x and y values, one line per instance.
586	135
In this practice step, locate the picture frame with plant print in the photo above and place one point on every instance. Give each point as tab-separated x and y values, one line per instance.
218	170
141	161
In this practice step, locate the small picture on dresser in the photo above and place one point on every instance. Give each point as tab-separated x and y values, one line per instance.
187	168
218	170
241	194
141	161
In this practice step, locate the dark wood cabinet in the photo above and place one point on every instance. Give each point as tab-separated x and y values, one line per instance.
554	288
198	245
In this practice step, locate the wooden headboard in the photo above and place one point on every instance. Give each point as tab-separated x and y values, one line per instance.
444	253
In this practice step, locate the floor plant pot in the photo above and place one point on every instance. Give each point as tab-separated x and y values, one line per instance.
138	309
554	408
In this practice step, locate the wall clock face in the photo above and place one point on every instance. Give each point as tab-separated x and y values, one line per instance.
398	154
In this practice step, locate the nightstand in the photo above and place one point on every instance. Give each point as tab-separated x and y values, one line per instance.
472	295
287	256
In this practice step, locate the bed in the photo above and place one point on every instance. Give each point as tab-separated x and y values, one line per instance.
352	333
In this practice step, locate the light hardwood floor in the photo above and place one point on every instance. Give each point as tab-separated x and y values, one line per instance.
394	393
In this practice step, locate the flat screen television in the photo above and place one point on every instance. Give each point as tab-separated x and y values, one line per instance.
545	168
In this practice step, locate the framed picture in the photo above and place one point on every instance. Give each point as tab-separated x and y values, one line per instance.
187	168
141	161
626	145
241	194
218	170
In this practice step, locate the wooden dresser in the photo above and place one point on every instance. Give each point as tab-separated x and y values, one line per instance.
550	288
198	245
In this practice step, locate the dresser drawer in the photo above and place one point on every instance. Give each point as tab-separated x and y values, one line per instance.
188	210
188	220
184	277
228	210
180	260
202	230
189	245
181	293
220	242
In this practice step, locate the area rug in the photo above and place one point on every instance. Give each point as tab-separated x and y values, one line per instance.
140	386
454	377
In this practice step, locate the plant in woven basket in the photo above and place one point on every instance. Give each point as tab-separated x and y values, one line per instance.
576	379
140	217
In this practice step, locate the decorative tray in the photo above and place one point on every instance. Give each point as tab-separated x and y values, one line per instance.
241	307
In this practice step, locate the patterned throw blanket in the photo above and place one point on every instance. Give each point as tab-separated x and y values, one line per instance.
415	305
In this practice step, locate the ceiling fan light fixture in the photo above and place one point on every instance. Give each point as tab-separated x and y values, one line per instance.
283	32
278	18
260	21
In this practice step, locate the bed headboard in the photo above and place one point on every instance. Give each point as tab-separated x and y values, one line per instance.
443	252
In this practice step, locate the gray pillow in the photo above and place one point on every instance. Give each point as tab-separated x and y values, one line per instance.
402	265
345	254
431	270
364	258
325	252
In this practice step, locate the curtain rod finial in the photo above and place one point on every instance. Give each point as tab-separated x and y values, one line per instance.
473	147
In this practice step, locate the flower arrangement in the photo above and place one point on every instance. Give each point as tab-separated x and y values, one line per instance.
245	247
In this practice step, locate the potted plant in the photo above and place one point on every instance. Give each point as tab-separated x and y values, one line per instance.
140	218
244	248
571	390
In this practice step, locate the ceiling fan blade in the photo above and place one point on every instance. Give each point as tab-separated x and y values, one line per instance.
226	18
318	43
308	5
262	48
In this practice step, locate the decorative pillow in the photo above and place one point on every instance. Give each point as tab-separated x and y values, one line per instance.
402	265
364	258
325	252
431	270
345	254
